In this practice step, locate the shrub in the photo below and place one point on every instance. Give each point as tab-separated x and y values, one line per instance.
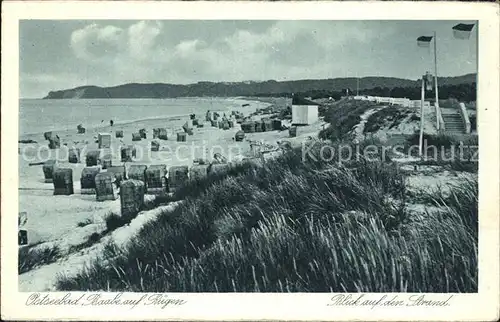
455	153
440	140
114	221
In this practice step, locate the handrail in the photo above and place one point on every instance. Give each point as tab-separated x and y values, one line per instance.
465	117
439	117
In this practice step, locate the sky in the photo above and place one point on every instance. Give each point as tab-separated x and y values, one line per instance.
63	54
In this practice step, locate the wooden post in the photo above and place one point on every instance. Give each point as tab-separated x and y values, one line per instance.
422	101
438	111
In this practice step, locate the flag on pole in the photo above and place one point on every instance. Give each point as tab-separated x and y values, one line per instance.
462	30
424	41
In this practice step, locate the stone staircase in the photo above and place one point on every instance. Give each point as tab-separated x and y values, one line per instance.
453	123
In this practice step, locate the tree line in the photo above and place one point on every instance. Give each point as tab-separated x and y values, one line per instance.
463	92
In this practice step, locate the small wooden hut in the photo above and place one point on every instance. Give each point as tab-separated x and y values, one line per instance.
107	161
177	176
155	145
136	137
22	237
276	124
104	140
74	155
137	172
258	126
127	153
198	171
304	111
239	136
248	127
63	182
155	133
267	125
105	186
156	180
48	170
93	158
162	134
181	137
118	172
131	198
87	180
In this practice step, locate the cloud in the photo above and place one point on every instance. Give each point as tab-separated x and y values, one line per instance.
152	51
93	42
138	51
142	37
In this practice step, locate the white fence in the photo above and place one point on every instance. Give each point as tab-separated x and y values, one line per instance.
392	101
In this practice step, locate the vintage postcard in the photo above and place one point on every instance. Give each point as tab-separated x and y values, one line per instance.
250	161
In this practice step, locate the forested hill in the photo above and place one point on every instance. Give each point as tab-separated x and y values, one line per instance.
249	88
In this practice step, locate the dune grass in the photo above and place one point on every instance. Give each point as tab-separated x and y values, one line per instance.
390	116
343	117
458	153
296	225
30	257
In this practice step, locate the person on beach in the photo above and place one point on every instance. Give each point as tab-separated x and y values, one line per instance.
111	122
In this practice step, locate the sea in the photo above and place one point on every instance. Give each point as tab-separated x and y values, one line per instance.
40	115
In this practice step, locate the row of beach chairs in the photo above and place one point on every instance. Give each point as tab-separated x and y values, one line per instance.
131	184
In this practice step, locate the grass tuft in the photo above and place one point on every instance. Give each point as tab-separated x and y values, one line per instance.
31	257
342	119
84	223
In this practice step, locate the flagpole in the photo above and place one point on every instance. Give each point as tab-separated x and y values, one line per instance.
477	58
436	105
422	101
